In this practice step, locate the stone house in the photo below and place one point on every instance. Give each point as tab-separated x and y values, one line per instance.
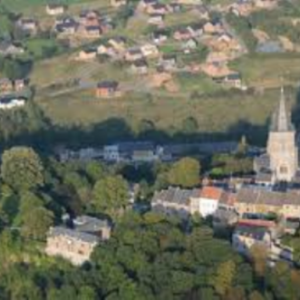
174	201
159	36
157	8
28	25
108	89
8	48
213	27
258	200
134	54
139	67
76	244
69	244
182	34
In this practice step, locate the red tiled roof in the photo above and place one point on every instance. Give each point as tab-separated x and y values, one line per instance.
211	192
256	223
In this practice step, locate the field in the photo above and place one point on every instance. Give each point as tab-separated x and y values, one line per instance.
225	113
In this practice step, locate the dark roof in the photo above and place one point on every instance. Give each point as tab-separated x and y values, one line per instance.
73	234
108	84
257	233
234	76
140	63
176	195
89	224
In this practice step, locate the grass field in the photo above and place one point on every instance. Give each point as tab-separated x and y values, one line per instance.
269	70
214	114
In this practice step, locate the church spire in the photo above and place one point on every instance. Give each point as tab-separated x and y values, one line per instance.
281	119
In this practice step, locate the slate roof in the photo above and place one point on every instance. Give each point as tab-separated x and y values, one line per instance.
257	233
73	234
89	224
176	195
264	197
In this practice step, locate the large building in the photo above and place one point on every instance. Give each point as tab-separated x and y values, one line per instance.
280	162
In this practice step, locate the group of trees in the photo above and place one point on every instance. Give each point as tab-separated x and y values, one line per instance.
148	256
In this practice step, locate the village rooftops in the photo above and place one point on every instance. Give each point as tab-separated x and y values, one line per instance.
257	223
108	84
211	192
176	195
264	197
73	234
254	232
89	224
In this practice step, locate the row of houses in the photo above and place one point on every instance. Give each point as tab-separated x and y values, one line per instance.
209	199
143	151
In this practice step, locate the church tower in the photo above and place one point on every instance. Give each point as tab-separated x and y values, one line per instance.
282	149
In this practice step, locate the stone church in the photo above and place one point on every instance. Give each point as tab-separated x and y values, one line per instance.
280	162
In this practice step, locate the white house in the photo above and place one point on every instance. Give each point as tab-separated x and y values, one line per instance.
207	202
11	103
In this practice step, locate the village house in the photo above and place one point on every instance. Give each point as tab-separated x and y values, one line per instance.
145	153
6	86
157	8
70	244
252	232
168	63
156	19
206	203
118	3
11	102
174	201
196	30
8	48
233	80
202	12
118	43
76	244
19	84
189	2
87	54
28	25
133	54
139	67
213	27
159	36
149	50
108	89
83	154
258	200
55	9
66	26
89	18
144	4
182	34
265	4
91	225
189	45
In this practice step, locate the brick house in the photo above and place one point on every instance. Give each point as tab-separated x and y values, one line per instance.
107	89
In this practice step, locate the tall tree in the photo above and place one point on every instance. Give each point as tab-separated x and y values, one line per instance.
111	195
185	172
22	168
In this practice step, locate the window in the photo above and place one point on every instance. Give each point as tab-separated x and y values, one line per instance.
283	169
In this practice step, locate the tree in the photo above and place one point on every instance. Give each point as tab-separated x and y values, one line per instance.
185	173
22	168
189	125
110	195
224	277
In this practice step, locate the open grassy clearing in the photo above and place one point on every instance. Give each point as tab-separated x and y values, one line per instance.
269	70
215	114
